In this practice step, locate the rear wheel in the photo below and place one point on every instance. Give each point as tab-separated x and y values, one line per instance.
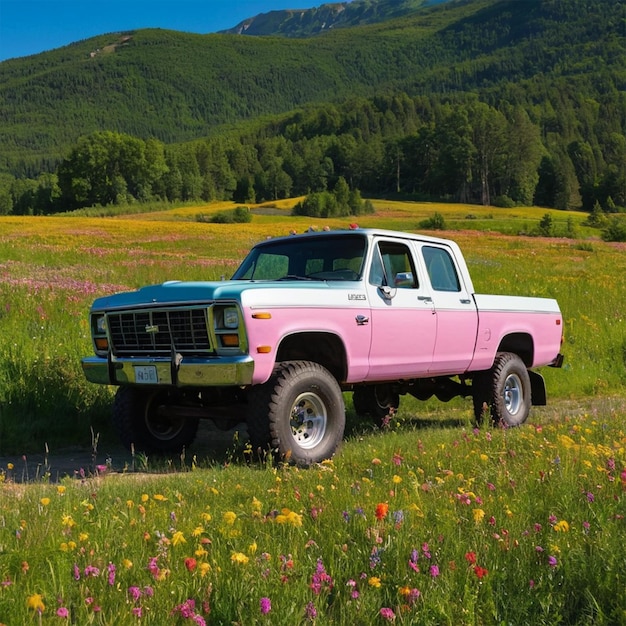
145	420
299	413
504	391
377	401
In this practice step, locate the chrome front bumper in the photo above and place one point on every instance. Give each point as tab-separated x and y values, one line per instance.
222	371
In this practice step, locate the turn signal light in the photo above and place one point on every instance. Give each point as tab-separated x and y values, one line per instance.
230	341
264	349
102	343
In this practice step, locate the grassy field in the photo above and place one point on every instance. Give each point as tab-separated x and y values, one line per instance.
433	522
51	269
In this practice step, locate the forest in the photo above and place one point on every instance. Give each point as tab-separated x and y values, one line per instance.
482	101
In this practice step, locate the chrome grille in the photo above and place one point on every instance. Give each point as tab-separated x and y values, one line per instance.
156	332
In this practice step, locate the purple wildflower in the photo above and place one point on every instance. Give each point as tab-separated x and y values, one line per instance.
265	605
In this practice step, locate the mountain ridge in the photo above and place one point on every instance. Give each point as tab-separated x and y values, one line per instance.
317	20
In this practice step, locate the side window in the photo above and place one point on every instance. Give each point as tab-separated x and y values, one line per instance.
392	265
441	269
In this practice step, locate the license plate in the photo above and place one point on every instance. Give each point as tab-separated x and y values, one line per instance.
146	375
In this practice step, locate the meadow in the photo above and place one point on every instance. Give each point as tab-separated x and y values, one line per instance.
430	522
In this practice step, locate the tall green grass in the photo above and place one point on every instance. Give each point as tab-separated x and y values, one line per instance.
418	526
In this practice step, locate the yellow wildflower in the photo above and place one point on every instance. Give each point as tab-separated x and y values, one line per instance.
145	497
252	548
374	581
478	515
127	563
206	517
68	521
197	531
83	536
35	602
204	569
256	505
44	501
289	517
484	457
178	538
60	489
561	526
129	504
159	497
239	557
229	517
396	479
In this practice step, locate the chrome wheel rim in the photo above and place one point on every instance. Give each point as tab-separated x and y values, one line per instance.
513	394
308	420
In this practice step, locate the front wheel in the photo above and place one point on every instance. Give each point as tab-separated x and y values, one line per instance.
146	420
504	391
301	408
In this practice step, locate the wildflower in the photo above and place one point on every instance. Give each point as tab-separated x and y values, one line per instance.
552	562
590	497
388	614
321	580
239	557
374	581
127	563
396	479
62	612
159	497
190	564
382	508
134	593
229	518
35	602
178	538
111	574
137	611
291	518
44	501
481	572
10	466
470	557
265	605
310	611
204	569
478	515
561	526
434	571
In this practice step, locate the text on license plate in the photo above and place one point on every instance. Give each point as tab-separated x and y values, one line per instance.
146	375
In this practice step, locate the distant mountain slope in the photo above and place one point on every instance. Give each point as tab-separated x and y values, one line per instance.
309	22
178	86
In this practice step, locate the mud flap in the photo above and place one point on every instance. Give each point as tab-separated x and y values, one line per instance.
537	389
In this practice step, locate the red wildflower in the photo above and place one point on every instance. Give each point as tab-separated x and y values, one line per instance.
470	557
481	572
190	563
382	508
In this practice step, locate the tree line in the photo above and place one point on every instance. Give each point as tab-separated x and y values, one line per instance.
564	153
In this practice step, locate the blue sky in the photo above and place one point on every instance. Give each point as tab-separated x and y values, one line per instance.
32	26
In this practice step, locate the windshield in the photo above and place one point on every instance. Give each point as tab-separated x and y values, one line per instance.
305	258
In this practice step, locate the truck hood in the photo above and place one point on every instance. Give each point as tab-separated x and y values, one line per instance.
179	292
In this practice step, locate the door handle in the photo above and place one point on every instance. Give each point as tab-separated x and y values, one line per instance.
362	320
465	301
425	298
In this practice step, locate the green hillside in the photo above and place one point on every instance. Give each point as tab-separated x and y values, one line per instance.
176	87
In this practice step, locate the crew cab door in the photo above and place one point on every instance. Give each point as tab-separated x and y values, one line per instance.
403	320
455	311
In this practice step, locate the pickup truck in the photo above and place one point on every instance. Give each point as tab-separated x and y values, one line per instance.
305	319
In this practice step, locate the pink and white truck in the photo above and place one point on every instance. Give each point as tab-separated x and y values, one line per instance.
305	319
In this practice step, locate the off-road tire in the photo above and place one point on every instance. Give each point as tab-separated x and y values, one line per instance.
505	391
299	414
141	421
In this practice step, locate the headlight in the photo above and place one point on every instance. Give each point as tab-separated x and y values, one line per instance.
231	318
100	325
